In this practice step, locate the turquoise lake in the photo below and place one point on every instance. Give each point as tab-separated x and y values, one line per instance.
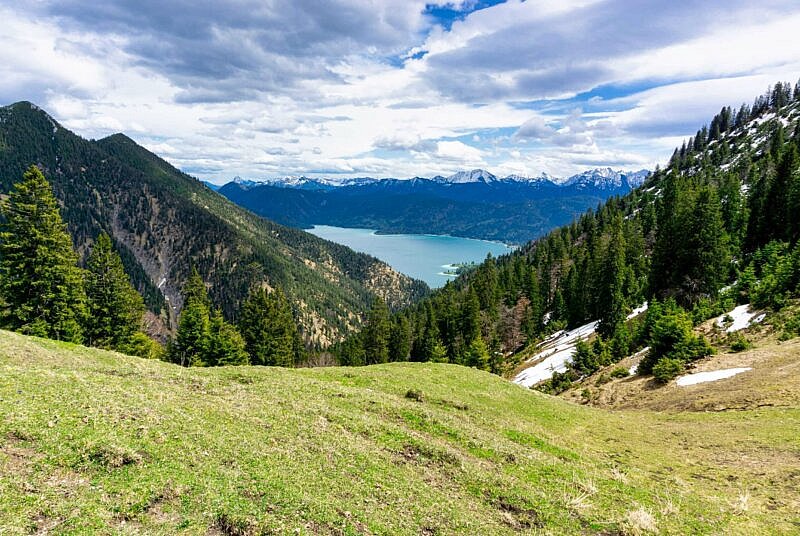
425	257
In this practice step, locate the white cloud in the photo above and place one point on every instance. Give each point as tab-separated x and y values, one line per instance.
304	89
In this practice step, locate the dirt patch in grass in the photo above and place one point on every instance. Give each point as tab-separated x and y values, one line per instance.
515	516
419	454
111	456
228	525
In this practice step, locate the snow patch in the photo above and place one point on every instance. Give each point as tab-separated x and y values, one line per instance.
742	319
557	352
638	356
637	311
712	376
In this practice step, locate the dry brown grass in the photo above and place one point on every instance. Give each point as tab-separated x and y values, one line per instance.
773	382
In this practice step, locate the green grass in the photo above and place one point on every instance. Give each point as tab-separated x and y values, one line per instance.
96	442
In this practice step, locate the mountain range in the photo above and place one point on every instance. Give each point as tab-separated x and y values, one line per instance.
599	178
164	222
473	204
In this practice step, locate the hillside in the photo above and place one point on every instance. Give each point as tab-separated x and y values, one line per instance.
472	204
714	229
92	441
164	222
769	374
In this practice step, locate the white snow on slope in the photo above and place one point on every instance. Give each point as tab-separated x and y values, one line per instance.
639	310
556	352
635	367
712	376
742	318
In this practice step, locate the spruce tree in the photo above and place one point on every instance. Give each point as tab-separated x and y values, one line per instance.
194	329
268	327
707	255
376	333
478	354
400	339
204	338
41	287
471	317
533	318
225	345
612	291
115	308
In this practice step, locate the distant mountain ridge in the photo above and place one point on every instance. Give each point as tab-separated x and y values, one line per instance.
473	204
599	177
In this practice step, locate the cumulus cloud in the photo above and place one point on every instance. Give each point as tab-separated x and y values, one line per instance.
519	51
388	88
573	131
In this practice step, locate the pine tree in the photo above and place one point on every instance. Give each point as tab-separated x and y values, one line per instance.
707	247
376	333
225	345
115	308
41	287
192	340
400	339
478	354
612	291
268	327
471	317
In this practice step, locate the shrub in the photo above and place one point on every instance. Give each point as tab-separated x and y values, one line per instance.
619	372
738	342
671	336
667	368
141	345
558	383
792	327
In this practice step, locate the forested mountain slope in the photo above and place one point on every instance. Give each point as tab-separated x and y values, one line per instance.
512	210
164	222
717	227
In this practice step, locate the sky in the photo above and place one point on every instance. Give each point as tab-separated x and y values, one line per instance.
395	88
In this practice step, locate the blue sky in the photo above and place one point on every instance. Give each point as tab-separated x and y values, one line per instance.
266	88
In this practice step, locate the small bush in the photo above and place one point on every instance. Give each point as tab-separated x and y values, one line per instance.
140	345
739	342
666	369
791	328
619	372
558	383
671	337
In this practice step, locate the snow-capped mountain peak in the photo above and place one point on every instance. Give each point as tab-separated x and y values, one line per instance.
599	178
606	178
476	175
